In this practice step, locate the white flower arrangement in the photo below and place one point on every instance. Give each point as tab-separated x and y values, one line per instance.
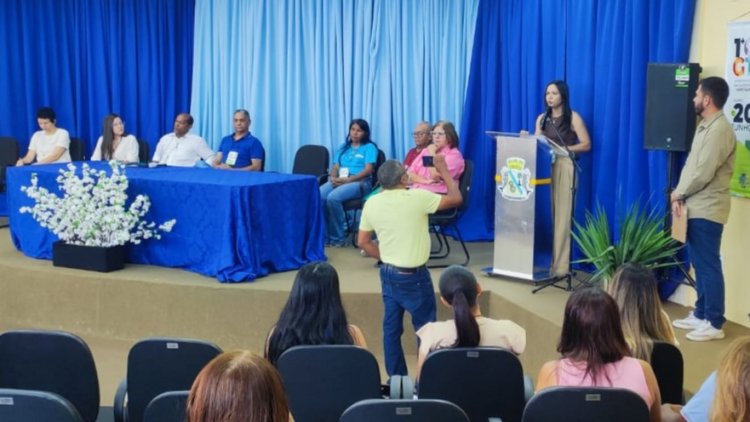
92	210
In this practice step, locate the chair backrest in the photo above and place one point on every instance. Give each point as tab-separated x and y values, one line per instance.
8	151
312	160
29	405
167	407
324	380
573	404
422	410
51	361
464	183
158	365
379	162
77	152
144	151
666	359
484	382
8	156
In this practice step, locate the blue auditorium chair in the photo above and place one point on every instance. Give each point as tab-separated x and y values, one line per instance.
157	365
52	361
580	404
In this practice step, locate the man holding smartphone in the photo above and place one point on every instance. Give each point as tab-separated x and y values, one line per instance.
399	217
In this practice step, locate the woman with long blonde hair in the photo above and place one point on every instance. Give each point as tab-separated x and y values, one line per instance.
643	319
732	397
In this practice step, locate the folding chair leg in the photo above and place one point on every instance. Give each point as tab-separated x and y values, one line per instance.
448	250
443	252
463	245
434	230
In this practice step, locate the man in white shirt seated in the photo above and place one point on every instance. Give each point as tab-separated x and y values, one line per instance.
181	148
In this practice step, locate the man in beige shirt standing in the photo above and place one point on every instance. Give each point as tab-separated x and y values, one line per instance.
703	192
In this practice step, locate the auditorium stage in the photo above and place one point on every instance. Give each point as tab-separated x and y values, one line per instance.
111	311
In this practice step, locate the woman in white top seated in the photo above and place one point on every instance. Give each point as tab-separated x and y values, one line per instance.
114	144
49	145
468	328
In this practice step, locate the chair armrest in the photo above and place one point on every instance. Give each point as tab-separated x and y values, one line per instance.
119	406
407	388
395	385
528	388
322	179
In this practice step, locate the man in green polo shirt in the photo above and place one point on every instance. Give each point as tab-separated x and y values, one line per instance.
400	218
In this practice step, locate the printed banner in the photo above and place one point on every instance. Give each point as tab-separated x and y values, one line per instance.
737	108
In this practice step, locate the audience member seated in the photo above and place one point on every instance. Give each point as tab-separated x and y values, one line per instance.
643	319
724	396
351	178
594	352
459	291
114	144
238	386
182	148
313	314
49	145
422	174
240	150
422	137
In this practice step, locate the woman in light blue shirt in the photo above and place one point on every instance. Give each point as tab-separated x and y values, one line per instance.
350	178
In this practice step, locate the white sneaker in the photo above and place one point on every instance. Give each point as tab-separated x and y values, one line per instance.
689	323
705	332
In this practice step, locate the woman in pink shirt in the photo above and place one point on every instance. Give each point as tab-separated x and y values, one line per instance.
594	352
422	174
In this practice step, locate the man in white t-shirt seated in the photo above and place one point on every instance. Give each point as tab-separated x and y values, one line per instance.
181	148
49	145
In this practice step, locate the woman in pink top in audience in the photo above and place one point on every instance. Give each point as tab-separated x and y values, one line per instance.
595	354
445	143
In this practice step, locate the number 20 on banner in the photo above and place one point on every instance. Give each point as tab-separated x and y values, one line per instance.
741	113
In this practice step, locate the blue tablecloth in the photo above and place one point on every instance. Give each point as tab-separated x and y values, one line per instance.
232	225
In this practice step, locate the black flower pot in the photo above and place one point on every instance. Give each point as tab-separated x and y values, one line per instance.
92	258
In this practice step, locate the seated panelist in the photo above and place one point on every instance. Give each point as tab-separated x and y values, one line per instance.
240	150
182	148
422	173
49	145
115	144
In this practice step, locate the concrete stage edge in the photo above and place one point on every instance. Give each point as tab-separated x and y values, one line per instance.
113	310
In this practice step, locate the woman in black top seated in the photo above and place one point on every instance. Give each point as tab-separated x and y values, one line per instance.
313	314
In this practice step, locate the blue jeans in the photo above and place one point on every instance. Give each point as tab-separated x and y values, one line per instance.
704	243
409	291
333	199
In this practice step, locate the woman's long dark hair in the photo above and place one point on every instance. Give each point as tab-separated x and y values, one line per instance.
458	287
591	331
313	314
108	137
567	115
362	123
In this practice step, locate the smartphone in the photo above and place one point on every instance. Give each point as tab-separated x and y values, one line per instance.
427	161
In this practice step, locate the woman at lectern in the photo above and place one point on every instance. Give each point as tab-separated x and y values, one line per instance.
566	128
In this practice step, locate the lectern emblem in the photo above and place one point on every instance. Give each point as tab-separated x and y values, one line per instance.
515	180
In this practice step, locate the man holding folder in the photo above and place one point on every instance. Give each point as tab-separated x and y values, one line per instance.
703	193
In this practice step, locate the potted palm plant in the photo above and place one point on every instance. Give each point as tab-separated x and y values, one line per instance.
92	218
642	239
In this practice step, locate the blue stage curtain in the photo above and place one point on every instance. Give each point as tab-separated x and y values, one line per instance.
304	69
602	49
87	58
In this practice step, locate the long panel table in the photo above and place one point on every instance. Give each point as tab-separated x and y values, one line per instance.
232	225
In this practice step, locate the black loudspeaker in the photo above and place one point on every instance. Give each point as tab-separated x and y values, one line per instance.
670	115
